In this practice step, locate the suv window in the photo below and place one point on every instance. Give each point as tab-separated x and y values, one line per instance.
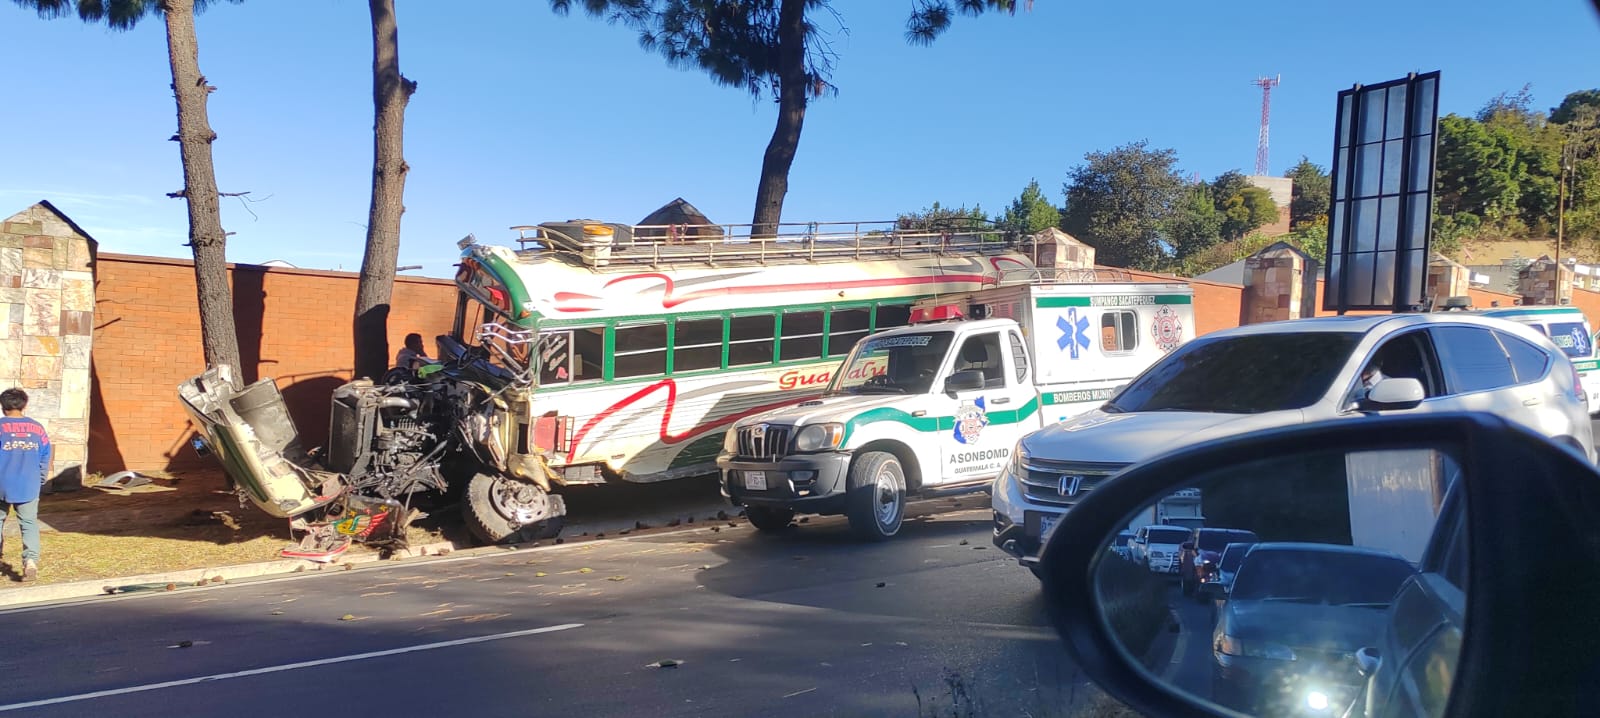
1528	361
1473	359
1409	356
1242	374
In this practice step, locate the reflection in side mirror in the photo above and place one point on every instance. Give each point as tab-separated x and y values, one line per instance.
1293	575
965	380
1367	661
1395	393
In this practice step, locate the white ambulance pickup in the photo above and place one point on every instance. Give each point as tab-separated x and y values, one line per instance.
936	407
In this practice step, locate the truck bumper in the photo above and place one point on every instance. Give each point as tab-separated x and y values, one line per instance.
807	483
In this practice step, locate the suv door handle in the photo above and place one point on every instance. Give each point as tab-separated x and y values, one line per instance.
1007	400
1531	402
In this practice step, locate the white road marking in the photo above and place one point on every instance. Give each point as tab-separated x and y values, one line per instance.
286	667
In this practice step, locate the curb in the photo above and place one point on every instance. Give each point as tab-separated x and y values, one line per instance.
196	577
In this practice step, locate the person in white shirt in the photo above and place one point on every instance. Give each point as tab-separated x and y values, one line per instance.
413	355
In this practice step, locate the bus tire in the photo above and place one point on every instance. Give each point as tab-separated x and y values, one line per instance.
875	500
500	509
767	519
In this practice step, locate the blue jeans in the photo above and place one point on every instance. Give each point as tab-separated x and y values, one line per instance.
28	516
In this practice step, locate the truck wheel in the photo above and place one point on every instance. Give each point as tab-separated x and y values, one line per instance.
768	519
500	509
876	500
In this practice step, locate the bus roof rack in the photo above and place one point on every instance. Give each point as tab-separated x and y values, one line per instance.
601	244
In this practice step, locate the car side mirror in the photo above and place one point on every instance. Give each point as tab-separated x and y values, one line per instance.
964	380
1394	393
1387	498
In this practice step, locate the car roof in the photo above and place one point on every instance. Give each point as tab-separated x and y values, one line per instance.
1374	323
1328	548
1226	530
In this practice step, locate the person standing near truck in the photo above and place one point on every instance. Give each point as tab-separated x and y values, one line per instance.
24	467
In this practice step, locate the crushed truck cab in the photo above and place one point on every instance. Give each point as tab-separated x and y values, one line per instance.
927	408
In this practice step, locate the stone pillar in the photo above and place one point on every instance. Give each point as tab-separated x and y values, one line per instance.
47	295
1447	279
1054	249
1275	286
1544	283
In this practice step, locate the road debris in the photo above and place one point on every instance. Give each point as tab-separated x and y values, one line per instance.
800	693
540	574
585	570
665	663
616	578
964	542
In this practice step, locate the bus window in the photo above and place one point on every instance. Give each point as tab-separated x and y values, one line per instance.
568	355
555	357
802	336
641	350
891	316
750	339
845	328
588	353
697	344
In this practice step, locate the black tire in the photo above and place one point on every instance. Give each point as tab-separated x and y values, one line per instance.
487	519
769	519
876	499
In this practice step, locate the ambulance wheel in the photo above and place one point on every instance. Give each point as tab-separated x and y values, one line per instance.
875	501
767	519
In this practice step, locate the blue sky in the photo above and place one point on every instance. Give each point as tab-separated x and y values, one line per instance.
523	116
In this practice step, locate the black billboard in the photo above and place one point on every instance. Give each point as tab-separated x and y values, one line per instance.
1381	214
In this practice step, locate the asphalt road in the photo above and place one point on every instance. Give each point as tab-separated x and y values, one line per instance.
809	623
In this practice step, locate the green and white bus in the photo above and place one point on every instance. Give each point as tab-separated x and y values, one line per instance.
643	344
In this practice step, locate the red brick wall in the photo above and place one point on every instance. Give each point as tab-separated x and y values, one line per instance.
1485	298
294	326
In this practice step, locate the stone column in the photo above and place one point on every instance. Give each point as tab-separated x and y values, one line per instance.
1447	279
47	293
1275	286
1544	283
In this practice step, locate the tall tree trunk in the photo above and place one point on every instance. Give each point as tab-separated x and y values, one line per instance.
206	238
794	88
391	91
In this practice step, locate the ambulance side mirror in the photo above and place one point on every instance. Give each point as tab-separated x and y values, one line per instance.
965	380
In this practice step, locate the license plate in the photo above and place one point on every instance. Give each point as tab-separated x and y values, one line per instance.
755	480
1047	523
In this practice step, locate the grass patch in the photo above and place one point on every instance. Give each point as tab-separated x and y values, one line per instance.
179	522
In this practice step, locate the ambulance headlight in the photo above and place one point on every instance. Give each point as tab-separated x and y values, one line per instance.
819	437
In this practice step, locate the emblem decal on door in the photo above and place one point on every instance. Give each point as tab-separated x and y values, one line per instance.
1166	329
970	420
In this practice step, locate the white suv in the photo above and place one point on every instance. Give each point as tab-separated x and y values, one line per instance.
1264	376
